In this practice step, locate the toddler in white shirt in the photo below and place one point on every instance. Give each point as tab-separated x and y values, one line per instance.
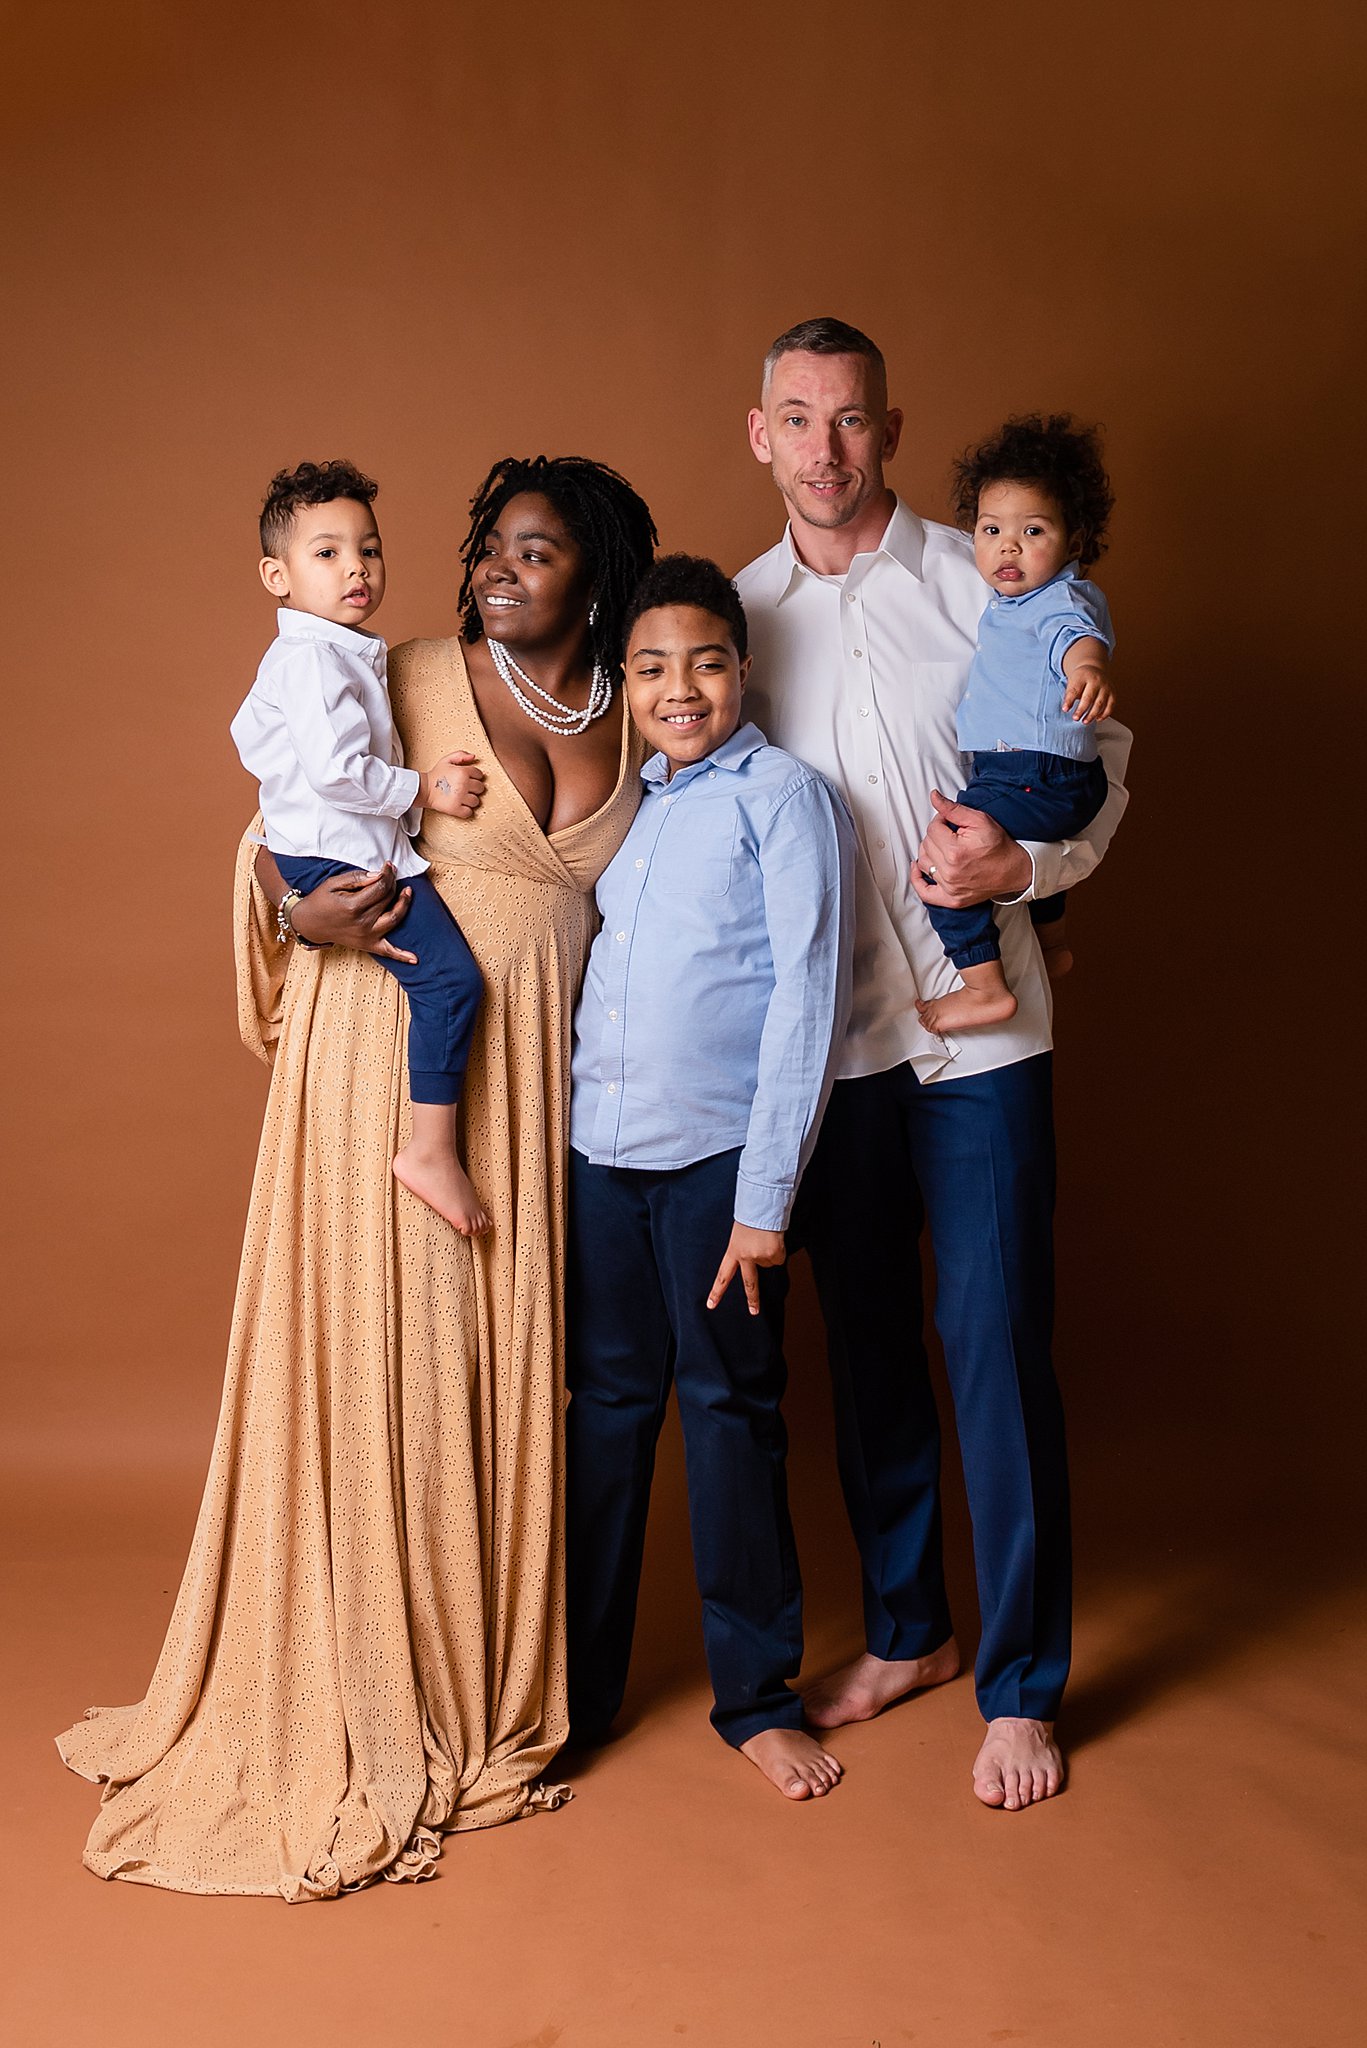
317	731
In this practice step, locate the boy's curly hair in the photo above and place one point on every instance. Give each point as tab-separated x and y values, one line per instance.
312	483
1057	456
689	580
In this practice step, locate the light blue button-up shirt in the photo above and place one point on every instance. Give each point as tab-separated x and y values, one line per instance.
718	988
1014	693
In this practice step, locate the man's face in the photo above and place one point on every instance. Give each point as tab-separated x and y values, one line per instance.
333	565
825	430
1020	540
684	680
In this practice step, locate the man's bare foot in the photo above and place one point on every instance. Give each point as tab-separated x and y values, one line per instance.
800	1768
1019	1763
438	1178
1053	943
860	1690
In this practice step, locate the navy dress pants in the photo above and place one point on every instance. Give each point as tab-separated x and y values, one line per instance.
975	1158
443	989
644	1248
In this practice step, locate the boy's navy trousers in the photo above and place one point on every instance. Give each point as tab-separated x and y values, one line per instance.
644	1248
975	1159
443	990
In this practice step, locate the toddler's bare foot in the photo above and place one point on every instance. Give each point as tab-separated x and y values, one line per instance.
799	1767
965	1008
859	1691
438	1178
1058	954
1019	1763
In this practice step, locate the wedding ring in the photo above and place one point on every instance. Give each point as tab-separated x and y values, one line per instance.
930	871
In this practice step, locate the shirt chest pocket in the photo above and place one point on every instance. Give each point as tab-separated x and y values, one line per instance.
710	857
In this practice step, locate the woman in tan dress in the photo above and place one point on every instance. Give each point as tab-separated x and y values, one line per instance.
368	1645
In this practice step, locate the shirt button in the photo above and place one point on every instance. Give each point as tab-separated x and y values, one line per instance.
994	604
612	1087
640	863
863	711
849	597
881	844
612	1016
619	936
711	774
859	654
873	778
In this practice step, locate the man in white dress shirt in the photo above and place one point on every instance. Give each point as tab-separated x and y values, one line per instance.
863	621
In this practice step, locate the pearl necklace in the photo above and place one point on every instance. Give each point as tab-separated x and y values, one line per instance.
560	718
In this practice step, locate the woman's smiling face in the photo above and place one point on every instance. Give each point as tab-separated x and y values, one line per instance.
531	584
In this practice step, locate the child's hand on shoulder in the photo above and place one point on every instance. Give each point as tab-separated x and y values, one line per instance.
454	786
747	1251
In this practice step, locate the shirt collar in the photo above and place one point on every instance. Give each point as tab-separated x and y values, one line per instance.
296	625
1066	575
904	542
732	754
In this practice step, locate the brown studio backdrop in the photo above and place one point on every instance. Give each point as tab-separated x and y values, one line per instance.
431	237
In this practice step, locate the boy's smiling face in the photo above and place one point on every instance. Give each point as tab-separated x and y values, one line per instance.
684	680
333	566
1020	540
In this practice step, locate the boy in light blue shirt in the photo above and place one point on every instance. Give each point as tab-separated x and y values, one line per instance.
1037	498
715	994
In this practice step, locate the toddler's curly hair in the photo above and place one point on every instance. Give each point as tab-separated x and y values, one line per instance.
1056	455
311	483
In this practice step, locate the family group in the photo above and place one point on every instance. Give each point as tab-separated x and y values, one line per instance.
721	924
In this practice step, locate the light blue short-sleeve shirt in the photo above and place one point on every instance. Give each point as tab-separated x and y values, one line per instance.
1014	693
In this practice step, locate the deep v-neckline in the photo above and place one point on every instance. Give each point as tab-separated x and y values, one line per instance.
579	825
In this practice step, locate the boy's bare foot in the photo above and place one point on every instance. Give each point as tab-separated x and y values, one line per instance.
438	1178
799	1767
1053	943
859	1691
1019	1763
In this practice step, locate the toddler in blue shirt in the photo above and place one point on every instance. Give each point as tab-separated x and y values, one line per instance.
714	996
1037	499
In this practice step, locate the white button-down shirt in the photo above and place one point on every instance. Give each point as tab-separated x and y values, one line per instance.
861	676
317	731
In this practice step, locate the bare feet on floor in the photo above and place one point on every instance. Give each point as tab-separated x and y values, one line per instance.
860	1690
799	1767
438	1178
1019	1763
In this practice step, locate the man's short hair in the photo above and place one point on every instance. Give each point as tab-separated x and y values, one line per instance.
822	337
311	483
691	580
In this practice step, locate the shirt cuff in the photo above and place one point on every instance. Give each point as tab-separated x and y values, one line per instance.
1039	851
761	1206
406	785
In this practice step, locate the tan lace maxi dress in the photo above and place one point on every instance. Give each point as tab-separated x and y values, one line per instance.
368	1644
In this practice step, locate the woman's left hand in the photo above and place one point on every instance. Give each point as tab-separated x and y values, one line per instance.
748	1250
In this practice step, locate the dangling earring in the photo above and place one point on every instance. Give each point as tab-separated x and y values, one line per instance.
593	613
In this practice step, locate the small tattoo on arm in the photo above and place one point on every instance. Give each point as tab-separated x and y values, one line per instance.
443	785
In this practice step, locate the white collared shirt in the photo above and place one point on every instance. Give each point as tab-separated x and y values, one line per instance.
317	731
861	676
